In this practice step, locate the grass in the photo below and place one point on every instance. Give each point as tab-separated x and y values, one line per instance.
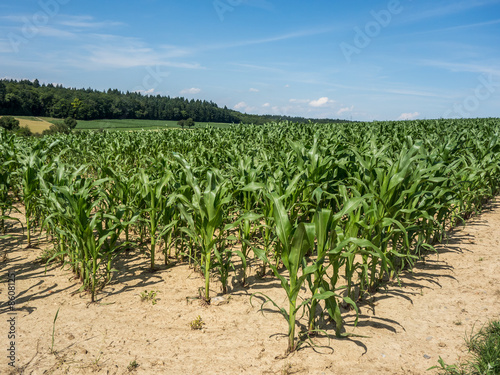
35	124
484	348
149	297
54	331
39	124
138	124
198	323
133	365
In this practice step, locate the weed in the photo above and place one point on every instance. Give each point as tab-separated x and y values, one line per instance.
133	365
484	347
54	331
47	255
286	370
149	297
198	323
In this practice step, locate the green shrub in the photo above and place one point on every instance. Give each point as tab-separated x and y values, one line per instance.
70	122
9	123
59	127
24	131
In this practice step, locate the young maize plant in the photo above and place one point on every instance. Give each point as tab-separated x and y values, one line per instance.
122	192
328	227
87	227
32	166
204	214
155	200
295	243
343	207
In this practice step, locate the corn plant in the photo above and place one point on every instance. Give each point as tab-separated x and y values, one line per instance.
153	193
204	215
86	228
295	244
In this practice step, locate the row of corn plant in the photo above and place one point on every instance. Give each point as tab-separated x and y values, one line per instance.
336	208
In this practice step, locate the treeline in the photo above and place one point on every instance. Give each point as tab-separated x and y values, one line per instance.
264	119
30	98
27	98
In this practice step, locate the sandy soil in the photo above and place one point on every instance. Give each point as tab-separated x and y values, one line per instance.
405	328
37	126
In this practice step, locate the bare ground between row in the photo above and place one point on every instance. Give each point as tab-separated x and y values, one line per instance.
403	330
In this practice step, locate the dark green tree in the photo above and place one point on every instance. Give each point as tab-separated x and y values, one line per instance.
9	123
189	123
70	122
3	91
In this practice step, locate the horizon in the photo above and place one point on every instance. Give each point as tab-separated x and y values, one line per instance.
387	60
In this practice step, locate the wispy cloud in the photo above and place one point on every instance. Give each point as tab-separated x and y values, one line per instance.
450	9
455	28
258	67
409	116
345	109
275	38
52	32
464	67
262	4
244	107
129	57
5	46
396	91
240	105
253	90
192	91
148	92
86	22
113	51
300	101
320	102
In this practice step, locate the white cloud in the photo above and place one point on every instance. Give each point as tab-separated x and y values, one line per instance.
263	4
287	86
409	116
266	105
85	22
191	91
320	102
147	92
271	39
459	67
303	101
345	109
254	90
5	47
240	105
128	53
244	107
452	8
53	32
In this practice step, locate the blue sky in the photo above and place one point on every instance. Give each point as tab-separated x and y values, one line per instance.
376	60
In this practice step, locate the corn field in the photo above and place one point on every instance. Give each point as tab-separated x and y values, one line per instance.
335	210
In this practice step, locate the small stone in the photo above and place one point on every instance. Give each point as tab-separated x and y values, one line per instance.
429	338
216	301
427	356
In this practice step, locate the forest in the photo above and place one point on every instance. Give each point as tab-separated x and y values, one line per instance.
31	98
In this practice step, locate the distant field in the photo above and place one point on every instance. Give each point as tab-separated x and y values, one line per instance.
39	124
137	124
35	124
